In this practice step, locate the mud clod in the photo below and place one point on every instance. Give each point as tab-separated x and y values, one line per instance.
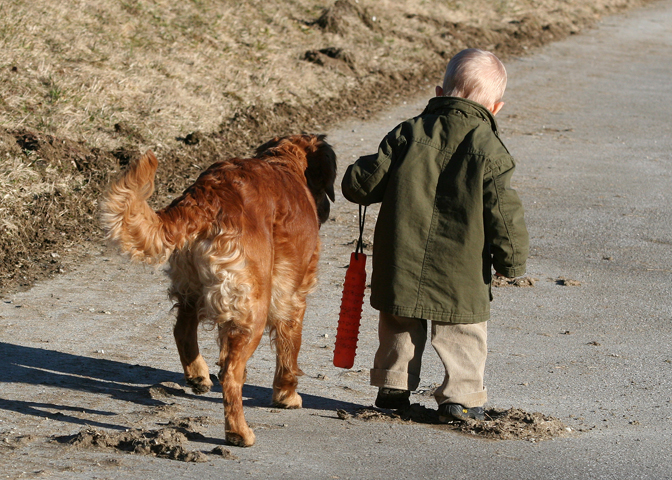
342	414
513	282
168	442
516	424
224	453
165	390
511	424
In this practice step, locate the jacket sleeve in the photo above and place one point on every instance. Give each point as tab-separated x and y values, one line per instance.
505	227
365	180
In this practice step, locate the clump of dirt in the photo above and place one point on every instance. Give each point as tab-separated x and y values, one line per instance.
168	442
224	453
343	414
511	424
513	282
166	389
516	424
164	443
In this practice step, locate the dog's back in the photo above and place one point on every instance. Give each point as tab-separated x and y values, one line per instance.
242	222
290	177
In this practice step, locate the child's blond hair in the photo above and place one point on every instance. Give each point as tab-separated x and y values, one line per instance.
475	75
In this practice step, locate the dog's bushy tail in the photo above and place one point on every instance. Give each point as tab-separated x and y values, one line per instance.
128	219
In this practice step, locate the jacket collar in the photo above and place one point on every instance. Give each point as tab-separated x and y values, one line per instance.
442	105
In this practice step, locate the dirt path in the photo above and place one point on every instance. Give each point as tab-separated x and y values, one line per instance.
91	351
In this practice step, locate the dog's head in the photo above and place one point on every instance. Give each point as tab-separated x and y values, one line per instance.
321	166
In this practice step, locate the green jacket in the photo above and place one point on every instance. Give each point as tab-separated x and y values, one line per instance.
448	213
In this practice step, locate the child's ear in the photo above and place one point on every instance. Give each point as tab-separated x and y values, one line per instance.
439	91
496	108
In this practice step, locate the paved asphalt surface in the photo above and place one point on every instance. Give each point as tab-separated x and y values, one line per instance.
588	120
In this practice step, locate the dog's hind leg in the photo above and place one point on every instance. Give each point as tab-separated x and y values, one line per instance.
288	343
196	371
237	346
286	327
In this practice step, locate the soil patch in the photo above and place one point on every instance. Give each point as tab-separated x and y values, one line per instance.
167	389
500	424
168	442
513	282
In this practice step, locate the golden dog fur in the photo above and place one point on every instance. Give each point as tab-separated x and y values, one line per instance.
242	246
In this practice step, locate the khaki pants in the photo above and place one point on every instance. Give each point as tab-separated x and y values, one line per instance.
462	347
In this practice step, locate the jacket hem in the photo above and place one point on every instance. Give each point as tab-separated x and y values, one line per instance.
433	315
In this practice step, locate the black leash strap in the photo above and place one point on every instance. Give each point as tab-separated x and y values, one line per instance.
359	248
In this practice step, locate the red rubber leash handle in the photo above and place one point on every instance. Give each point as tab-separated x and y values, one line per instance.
349	320
350	317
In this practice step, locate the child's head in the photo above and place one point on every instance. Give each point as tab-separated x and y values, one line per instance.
475	75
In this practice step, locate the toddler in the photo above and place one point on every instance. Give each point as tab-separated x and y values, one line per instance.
448	216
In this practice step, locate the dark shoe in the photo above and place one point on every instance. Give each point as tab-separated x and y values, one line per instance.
451	412
393	398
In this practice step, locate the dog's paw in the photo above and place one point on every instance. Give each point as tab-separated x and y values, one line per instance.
241	439
199	385
292	400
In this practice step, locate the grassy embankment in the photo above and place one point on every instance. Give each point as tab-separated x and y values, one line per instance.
87	85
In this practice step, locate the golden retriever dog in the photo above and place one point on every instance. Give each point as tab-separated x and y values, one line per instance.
242	247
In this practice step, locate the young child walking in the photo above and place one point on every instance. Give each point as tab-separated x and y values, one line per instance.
448	216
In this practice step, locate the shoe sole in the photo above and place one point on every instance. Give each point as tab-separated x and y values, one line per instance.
455	418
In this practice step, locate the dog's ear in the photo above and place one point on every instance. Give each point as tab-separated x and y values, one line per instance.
259	152
321	175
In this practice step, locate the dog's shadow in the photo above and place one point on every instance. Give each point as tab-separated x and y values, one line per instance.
255	396
23	365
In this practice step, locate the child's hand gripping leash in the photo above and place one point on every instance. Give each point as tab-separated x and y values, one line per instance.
351	303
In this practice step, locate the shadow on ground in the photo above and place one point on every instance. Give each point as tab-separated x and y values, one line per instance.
115	380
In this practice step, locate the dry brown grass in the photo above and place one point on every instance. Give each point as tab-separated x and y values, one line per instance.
165	68
94	82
